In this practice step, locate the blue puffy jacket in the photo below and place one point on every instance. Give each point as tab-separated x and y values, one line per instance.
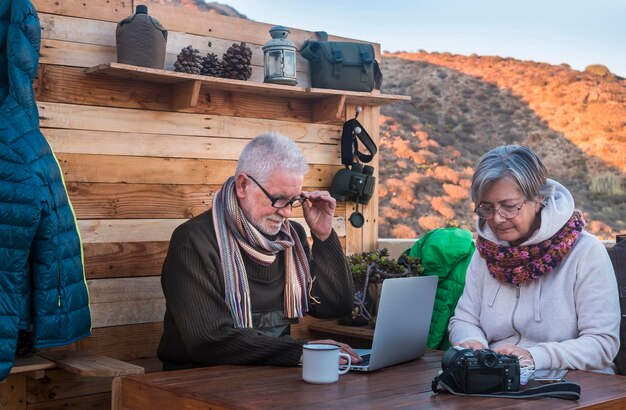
42	282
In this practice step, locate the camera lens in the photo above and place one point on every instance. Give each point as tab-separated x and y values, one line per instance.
451	355
487	358
368	170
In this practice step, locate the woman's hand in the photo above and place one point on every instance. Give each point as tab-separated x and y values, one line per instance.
513	350
471	344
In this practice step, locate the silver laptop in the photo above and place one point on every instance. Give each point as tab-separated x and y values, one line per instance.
402	323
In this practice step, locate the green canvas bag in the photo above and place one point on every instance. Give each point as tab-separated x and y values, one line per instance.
342	65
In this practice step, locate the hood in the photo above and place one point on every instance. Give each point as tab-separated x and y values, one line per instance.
20	39
559	208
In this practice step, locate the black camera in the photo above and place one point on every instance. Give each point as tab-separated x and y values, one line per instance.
356	184
479	371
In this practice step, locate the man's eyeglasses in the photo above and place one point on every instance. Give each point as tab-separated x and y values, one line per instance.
280	202
505	211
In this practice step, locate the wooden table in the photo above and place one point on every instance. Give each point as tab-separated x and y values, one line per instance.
405	386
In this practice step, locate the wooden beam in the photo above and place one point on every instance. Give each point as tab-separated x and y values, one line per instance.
77	29
141	230
149	170
124	259
329	109
127	343
81	141
75	54
370	229
354	236
123	301
144	201
110	10
127	230
127	201
185	94
83	117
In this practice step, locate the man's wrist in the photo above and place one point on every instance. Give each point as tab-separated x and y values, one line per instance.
322	237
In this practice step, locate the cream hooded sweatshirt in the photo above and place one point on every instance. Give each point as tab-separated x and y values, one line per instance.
567	319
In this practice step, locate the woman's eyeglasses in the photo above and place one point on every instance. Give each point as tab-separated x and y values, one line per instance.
505	211
280	202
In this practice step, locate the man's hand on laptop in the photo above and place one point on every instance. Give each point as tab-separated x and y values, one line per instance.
344	348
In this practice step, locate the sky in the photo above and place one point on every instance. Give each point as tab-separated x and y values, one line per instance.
575	32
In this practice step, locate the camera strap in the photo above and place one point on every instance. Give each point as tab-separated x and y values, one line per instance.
350	143
559	390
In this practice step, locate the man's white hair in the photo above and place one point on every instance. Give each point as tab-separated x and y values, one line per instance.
270	151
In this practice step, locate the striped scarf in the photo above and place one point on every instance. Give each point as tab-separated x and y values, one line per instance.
517	264
234	234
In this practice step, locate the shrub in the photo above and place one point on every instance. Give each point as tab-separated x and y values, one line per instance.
606	184
598	69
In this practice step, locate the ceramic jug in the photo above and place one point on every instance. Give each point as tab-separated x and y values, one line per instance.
141	40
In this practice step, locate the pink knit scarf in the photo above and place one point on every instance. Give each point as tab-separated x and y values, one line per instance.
517	264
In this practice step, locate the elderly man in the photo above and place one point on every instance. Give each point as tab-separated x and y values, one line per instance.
237	276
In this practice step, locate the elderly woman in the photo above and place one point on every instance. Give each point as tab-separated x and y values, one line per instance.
539	287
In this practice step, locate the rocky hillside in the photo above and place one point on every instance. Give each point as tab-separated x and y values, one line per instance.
462	106
211	7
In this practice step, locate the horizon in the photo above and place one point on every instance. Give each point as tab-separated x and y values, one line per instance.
555	32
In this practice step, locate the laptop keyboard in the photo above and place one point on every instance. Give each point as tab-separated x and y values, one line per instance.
366	360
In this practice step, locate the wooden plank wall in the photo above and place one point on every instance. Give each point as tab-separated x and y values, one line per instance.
135	170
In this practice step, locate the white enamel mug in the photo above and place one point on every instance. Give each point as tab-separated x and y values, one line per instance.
320	363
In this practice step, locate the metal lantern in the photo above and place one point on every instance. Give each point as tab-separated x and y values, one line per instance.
280	58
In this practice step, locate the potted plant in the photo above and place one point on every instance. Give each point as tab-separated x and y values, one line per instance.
369	270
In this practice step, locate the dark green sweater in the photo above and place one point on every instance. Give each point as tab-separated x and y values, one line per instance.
198	326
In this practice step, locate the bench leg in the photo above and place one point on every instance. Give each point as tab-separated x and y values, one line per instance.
116	393
13	392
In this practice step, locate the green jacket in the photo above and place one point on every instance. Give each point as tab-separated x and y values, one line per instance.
445	253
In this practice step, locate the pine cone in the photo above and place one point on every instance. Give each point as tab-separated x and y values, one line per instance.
211	65
188	61
236	62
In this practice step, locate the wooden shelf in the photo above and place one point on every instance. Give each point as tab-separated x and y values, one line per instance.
328	104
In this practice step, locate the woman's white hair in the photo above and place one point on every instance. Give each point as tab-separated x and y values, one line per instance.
517	162
270	151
